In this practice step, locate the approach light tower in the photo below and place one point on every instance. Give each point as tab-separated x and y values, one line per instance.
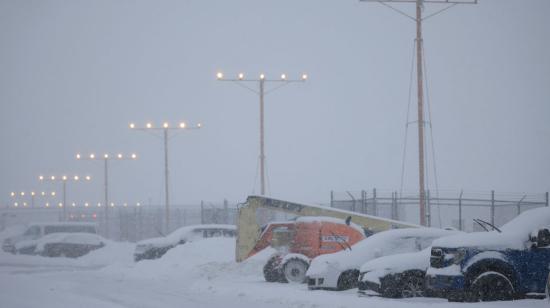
166	128
418	18
261	92
63	179
106	158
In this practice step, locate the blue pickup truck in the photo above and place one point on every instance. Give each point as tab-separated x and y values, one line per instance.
501	264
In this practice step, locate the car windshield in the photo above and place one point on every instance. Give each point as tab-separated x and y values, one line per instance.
32	231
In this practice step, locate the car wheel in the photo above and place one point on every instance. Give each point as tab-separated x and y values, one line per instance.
348	280
412	286
492	286
272	269
294	270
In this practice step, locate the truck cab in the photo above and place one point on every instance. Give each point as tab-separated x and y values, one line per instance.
503	264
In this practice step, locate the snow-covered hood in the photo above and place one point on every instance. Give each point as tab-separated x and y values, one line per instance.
484	240
514	235
378	245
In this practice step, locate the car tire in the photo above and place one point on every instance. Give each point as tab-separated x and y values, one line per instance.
348	280
272	270
491	286
412	285
294	270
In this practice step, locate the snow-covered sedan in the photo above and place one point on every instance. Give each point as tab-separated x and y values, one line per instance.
156	247
340	271
400	275
70	245
25	243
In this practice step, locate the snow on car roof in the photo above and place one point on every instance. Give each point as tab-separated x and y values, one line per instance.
43	224
369	248
181	233
514	233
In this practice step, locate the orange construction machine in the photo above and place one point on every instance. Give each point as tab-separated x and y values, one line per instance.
317	230
297	242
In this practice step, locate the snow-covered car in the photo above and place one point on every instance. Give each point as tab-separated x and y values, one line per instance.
156	247
400	275
340	270
503	264
70	245
24	243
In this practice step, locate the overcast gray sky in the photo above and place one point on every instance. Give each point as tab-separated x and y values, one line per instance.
75	73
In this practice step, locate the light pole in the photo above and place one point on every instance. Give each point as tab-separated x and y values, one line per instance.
418	18
261	92
165	128
106	158
32	194
63	179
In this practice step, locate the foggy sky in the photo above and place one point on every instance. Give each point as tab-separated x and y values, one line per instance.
74	74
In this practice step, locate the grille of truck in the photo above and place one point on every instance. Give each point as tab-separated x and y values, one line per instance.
436	258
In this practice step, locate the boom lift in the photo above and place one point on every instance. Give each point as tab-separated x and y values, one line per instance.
250	238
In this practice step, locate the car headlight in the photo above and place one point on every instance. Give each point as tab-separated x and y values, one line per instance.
458	256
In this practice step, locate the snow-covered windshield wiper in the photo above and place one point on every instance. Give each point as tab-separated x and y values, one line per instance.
338	237
484	223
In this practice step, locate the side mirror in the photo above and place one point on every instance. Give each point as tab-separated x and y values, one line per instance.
543	238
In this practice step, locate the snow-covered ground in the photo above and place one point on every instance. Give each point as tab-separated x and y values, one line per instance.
198	274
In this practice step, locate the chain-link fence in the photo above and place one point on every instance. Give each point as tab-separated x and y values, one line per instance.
126	223
443	209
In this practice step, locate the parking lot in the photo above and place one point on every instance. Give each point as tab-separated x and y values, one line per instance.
201	274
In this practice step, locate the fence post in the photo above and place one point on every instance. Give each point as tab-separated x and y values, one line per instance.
140	224
374	209
493	207
202	212
460	227
546	198
393	206
331	198
225	211
185	217
363	201
519	204
429	209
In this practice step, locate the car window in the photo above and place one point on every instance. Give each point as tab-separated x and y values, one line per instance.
32	231
69	229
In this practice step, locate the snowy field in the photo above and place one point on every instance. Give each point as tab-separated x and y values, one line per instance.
199	274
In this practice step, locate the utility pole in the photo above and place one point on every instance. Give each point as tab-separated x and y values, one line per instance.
418	18
261	92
